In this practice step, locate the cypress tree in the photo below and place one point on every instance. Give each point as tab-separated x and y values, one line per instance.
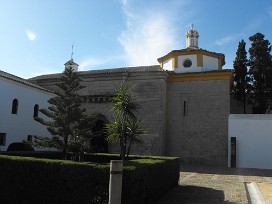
241	79
260	63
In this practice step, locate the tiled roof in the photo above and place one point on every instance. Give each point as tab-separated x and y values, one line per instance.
200	49
21	80
189	50
153	68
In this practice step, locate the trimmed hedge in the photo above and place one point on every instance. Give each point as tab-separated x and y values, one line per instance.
95	157
33	180
149	179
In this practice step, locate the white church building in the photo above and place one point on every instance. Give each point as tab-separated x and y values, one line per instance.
20	104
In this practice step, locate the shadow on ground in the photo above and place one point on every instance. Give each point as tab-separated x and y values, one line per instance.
193	194
225	170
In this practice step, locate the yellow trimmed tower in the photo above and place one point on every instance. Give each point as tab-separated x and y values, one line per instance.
192	58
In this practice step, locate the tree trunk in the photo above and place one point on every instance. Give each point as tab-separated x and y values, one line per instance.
129	146
65	147
244	98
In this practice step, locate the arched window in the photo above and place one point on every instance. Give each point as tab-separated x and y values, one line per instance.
14	106
36	111
192	42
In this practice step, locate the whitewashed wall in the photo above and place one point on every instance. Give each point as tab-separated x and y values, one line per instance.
210	63
18	126
167	65
253	134
182	69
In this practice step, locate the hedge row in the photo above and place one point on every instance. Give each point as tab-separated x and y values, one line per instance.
150	180
33	180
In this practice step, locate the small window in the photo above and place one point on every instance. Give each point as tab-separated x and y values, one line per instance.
14	106
184	108
36	111
187	63
2	139
30	138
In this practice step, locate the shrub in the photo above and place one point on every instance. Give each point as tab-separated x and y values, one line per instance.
20	146
146	180
33	180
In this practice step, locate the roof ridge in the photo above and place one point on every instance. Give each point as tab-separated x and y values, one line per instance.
147	68
21	80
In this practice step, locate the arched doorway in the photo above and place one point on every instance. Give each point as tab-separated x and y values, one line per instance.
99	141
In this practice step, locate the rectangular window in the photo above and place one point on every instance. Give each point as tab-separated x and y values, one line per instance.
30	138
185	108
184	104
2	139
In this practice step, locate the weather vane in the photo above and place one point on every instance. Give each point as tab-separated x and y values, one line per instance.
72	52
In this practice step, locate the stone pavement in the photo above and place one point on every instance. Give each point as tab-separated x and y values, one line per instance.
207	184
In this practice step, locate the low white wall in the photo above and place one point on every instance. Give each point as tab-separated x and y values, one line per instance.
253	134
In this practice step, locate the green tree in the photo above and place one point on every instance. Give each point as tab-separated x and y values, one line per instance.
126	127
260	63
241	78
67	120
135	131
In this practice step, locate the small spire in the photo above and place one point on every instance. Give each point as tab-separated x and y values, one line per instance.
192	26
72	52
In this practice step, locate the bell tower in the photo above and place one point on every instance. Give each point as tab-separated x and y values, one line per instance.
71	63
192	38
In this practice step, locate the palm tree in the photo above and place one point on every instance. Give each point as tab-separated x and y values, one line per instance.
125	106
135	131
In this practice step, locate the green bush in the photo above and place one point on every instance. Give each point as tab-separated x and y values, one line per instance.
37	154
20	146
146	180
33	180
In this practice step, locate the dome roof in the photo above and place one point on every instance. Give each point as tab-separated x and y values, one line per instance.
192	32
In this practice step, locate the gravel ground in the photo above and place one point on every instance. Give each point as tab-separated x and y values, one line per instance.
203	184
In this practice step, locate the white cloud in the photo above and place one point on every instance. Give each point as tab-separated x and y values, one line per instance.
124	2
229	39
224	40
150	35
90	62
95	63
270	12
31	35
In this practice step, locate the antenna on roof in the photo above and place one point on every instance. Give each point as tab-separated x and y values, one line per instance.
72	52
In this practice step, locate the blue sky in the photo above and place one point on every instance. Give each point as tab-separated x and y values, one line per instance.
37	36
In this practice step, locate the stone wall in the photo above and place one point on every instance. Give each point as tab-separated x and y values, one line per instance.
188	119
197	121
149	90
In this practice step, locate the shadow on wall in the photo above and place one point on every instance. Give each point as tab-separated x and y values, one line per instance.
99	141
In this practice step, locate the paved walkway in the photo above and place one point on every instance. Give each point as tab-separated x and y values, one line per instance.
203	184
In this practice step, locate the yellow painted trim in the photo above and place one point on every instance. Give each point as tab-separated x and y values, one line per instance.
190	52
220	64
201	76
174	62
199	60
